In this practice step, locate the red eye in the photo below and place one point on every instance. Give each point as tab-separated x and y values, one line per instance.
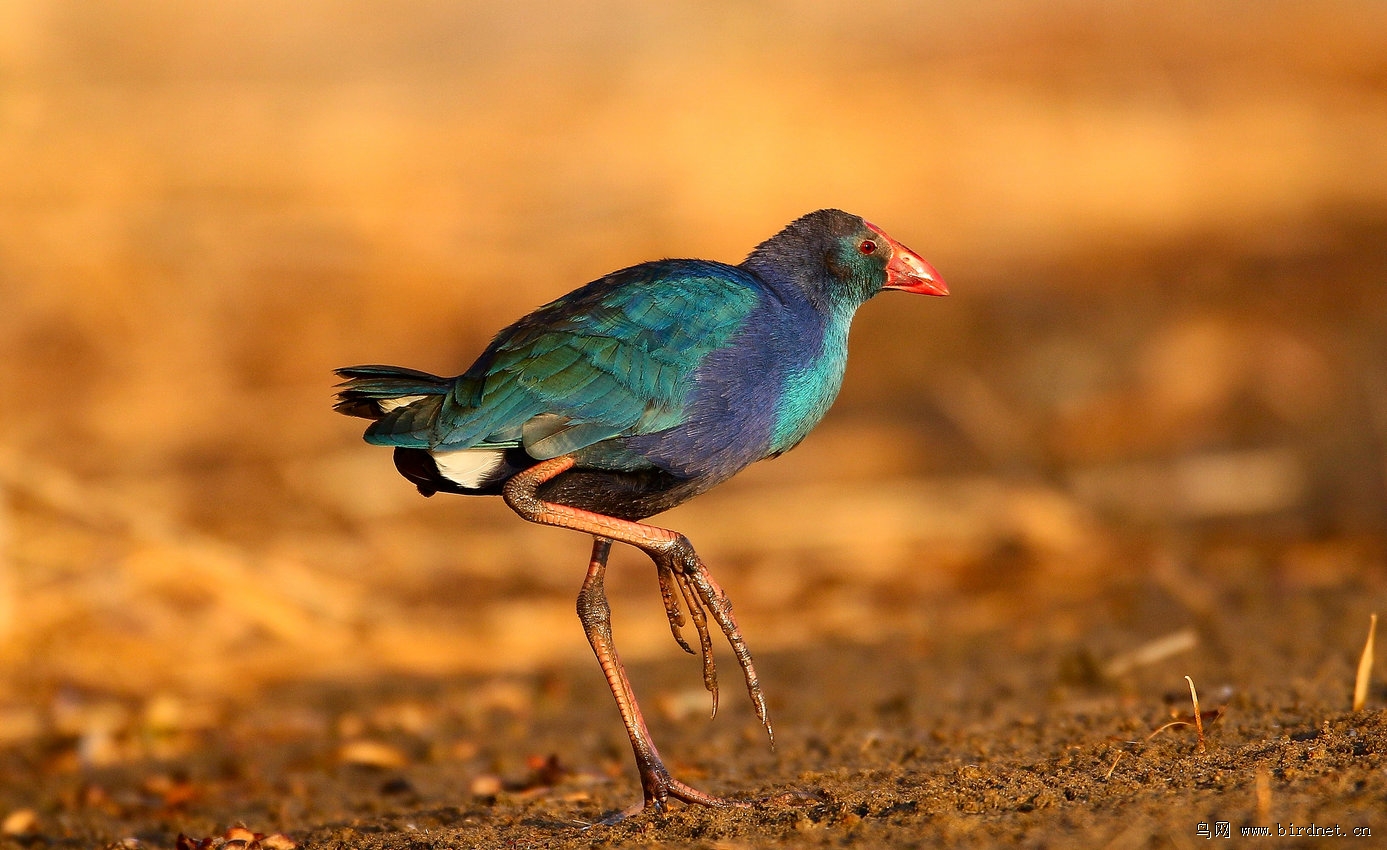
867	246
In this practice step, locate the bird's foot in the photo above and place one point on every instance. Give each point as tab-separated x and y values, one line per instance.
656	799
679	567
675	584
657	803
658	788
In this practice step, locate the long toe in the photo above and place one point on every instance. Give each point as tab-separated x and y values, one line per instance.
689	794
657	799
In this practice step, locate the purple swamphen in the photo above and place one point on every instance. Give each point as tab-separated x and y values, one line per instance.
634	393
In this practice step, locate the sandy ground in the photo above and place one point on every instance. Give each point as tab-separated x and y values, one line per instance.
1144	439
874	762
1048	728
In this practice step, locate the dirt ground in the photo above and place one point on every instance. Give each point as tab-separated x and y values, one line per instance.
1045	729
1142	444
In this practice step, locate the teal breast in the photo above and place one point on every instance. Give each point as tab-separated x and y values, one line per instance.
809	390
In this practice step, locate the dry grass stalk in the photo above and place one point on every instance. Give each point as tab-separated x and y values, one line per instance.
1263	787
1198	718
1365	667
1164	726
1197	721
1153	651
1108	775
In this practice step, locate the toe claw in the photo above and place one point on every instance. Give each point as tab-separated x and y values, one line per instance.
705	640
671	599
695	582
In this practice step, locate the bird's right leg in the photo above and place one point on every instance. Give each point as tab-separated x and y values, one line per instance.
669	594
657	786
674	557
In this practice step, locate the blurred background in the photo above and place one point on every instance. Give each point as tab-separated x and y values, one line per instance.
1165	227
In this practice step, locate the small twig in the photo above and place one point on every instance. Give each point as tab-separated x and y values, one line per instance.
1198	719
1171	725
1152	652
1263	794
1365	667
1108	775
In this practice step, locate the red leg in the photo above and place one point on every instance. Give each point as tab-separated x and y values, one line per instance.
657	786
673	556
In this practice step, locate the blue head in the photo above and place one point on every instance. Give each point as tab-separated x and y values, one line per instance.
839	260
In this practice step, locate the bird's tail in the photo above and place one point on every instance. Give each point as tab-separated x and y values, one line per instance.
373	392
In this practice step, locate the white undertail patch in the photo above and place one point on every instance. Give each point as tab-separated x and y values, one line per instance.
388	404
470	468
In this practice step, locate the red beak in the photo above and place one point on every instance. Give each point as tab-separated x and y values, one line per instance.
907	270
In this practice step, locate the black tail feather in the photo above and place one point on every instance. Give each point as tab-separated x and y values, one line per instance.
365	387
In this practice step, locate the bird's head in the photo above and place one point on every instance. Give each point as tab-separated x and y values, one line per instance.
840	258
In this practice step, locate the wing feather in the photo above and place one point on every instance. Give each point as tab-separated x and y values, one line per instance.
614	358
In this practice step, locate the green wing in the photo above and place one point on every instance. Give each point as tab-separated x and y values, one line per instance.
614	358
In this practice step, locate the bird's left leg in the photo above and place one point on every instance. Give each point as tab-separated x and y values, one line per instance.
673	555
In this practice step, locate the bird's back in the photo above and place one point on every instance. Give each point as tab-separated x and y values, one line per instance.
618	373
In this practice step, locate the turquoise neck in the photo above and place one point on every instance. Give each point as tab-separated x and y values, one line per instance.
809	390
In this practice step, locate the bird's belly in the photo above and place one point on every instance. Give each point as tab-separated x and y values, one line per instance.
626	495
